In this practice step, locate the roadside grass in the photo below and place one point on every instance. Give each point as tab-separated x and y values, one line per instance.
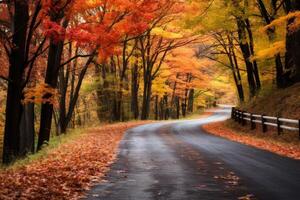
55	142
287	144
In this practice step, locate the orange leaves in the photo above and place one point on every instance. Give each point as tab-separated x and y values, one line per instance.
103	24
284	149
69	170
42	93
185	70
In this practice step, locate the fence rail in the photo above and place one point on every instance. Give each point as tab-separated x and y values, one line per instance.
265	121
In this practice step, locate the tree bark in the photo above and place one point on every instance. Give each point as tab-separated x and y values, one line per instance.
268	18
146	97
17	59
135	91
245	48
27	129
251	46
235	68
51	79
191	101
293	47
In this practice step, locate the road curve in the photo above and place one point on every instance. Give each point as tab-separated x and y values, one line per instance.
179	161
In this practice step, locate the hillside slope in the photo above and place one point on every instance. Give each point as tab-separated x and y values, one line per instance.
279	102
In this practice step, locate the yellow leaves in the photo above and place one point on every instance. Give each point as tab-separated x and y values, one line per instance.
159	31
41	93
274	49
282	20
133	60
193	8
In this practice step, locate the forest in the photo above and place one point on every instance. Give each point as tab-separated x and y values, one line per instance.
71	63
149	99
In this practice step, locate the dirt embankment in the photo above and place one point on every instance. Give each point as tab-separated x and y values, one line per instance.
280	102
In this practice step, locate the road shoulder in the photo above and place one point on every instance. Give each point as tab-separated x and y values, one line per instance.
267	141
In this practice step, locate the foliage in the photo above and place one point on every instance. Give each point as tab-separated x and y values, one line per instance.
39	94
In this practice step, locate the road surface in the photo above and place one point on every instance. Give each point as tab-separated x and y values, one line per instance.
179	161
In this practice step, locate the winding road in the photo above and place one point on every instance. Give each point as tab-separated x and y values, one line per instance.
177	160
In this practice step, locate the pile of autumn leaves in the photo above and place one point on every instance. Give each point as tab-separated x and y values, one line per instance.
67	171
255	138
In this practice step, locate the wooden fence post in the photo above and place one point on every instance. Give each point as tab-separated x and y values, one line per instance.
299	127
253	125
243	119
264	126
235	115
278	126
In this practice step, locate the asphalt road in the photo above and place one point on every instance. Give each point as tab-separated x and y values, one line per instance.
179	161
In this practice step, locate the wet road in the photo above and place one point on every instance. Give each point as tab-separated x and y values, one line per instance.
179	161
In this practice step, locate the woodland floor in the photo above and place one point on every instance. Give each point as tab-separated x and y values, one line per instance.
67	171
287	144
276	102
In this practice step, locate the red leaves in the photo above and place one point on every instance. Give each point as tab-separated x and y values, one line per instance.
69	170
53	30
100	24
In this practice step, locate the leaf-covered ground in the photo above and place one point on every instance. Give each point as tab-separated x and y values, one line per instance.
281	145
67	171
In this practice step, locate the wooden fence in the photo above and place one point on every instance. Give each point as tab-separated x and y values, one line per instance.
265	121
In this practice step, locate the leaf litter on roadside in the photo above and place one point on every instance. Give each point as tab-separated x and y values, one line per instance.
281	148
67	171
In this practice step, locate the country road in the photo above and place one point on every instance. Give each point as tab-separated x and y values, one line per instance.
177	160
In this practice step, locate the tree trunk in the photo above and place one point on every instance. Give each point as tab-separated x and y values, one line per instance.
251	46
293	47
156	108
75	94
268	18
235	68
245	48
177	103
63	86
146	98
27	129
191	101
13	114
135	91
54	58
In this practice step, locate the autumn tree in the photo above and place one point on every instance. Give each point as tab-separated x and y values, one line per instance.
19	25
103	26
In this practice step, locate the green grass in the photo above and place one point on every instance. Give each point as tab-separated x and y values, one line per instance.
55	142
